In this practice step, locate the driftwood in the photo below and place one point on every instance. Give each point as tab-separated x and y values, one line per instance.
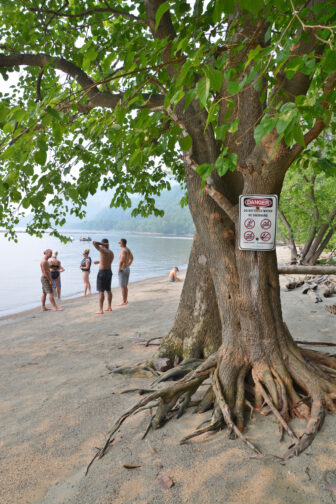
311	286
294	284
314	295
329	290
306	270
331	309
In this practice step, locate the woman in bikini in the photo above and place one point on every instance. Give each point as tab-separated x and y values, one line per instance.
85	267
56	269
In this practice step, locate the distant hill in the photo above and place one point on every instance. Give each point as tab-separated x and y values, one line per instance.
176	220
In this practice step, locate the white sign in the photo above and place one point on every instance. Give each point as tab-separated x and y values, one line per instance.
257	221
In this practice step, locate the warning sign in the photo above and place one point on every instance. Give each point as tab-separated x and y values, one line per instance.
257	212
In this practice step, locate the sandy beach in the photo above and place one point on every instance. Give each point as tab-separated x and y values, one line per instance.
58	401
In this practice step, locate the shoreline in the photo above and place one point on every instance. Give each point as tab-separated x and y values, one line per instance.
21	315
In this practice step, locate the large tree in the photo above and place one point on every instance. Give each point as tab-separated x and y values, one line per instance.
113	93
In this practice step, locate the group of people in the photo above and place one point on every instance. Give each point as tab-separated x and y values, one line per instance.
51	268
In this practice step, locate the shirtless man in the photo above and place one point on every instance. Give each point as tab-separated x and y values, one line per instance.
125	261
47	282
104	276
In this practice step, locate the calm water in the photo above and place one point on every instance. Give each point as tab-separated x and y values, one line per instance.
20	286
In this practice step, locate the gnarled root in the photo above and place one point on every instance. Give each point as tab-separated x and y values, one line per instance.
295	382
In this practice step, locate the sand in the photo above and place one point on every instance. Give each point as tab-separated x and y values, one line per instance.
58	401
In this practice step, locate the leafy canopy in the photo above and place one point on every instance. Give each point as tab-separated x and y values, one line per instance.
98	85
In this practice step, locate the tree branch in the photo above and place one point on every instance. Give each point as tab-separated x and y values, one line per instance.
88	12
319	123
97	98
219	198
164	30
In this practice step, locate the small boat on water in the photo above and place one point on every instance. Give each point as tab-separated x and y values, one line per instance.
85	238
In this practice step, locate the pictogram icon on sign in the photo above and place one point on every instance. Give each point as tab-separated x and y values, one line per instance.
266	224
249	223
249	236
265	236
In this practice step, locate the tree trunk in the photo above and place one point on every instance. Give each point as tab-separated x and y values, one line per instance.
257	347
291	240
196	332
318	245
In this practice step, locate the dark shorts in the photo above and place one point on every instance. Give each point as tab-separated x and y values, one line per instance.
46	285
124	277
104	279
54	274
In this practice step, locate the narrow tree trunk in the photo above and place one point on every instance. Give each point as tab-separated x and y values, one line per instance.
323	245
196	332
291	240
307	245
312	256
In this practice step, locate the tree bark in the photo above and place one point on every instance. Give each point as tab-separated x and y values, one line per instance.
196	332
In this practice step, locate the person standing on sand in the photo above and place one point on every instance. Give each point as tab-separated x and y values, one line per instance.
56	269
47	282
104	276
85	267
125	261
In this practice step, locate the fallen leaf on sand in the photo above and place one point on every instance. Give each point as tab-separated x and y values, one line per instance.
325	329
165	481
313	311
129	466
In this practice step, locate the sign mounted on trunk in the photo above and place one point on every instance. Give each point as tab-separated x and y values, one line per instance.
257	221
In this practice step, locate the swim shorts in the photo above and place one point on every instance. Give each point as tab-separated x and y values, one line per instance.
124	277
54	274
104	279
46	285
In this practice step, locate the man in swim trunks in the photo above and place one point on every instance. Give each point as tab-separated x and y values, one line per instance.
172	275
104	276
125	261
47	282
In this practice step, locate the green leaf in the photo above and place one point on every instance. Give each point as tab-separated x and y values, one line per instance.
221	7
298	135
54	113
185	142
253	6
40	157
221	166
264	128
234	126
160	12
329	61
220	132
15	195
216	78
204	170
252	54
202	90
233	87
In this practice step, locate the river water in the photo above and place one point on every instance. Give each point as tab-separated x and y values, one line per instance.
20	286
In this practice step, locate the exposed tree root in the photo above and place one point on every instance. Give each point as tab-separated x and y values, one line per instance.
299	382
149	341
